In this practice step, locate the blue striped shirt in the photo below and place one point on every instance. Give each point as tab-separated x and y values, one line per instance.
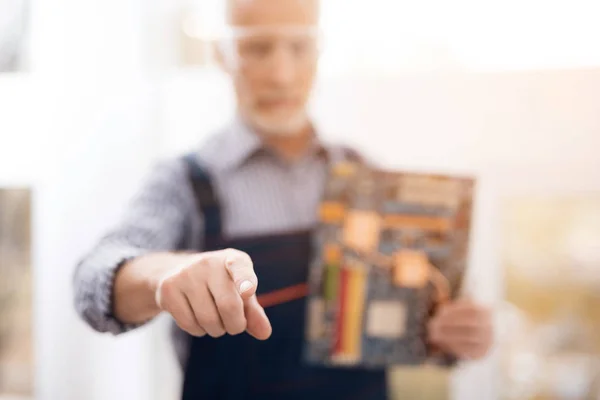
260	194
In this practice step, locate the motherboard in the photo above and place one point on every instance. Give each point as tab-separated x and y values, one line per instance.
391	247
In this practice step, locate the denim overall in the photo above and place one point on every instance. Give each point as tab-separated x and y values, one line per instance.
243	368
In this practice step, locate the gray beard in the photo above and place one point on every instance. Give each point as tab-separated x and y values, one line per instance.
291	127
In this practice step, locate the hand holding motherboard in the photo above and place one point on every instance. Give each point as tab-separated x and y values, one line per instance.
463	328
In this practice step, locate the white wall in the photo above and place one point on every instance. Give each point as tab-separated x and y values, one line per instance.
108	157
82	150
80	130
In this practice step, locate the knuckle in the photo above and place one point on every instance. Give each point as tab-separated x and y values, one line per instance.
213	263
193	275
216	332
201	270
168	289
193	264
187	324
204	262
469	328
236	256
480	325
210	322
237	328
244	257
230	305
477	332
187	273
478	312
230	251
198	332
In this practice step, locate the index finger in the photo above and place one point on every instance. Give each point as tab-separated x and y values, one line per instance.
241	270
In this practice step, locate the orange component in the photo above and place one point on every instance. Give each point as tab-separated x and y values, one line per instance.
361	230
333	254
411	269
410	221
332	212
344	169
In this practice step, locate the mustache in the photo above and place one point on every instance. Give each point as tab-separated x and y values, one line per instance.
277	96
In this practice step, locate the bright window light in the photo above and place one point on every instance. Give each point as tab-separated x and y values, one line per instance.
385	36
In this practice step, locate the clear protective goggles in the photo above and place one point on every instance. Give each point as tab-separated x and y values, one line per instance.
253	48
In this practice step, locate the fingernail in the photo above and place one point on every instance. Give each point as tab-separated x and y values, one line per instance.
245	286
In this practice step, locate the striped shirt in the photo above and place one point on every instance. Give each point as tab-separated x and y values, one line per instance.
260	193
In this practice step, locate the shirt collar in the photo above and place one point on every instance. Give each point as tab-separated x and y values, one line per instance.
241	143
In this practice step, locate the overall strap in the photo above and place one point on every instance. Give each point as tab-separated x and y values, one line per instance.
206	198
352	155
340	154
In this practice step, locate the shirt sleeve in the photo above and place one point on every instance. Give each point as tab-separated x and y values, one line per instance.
159	218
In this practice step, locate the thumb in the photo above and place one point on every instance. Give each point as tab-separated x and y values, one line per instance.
241	270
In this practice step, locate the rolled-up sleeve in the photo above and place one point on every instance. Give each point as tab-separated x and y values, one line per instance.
159	218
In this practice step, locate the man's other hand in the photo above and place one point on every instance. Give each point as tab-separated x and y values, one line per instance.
214	293
463	329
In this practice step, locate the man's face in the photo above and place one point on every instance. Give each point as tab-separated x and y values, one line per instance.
272	58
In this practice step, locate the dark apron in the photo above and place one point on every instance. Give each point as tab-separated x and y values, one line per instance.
243	368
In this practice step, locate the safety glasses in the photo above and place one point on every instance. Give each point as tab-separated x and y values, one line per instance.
254	48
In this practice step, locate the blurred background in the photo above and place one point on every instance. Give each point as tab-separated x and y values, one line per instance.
93	92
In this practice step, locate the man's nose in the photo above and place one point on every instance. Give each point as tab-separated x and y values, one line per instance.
282	66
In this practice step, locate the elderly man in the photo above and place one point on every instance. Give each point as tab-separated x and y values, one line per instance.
207	226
